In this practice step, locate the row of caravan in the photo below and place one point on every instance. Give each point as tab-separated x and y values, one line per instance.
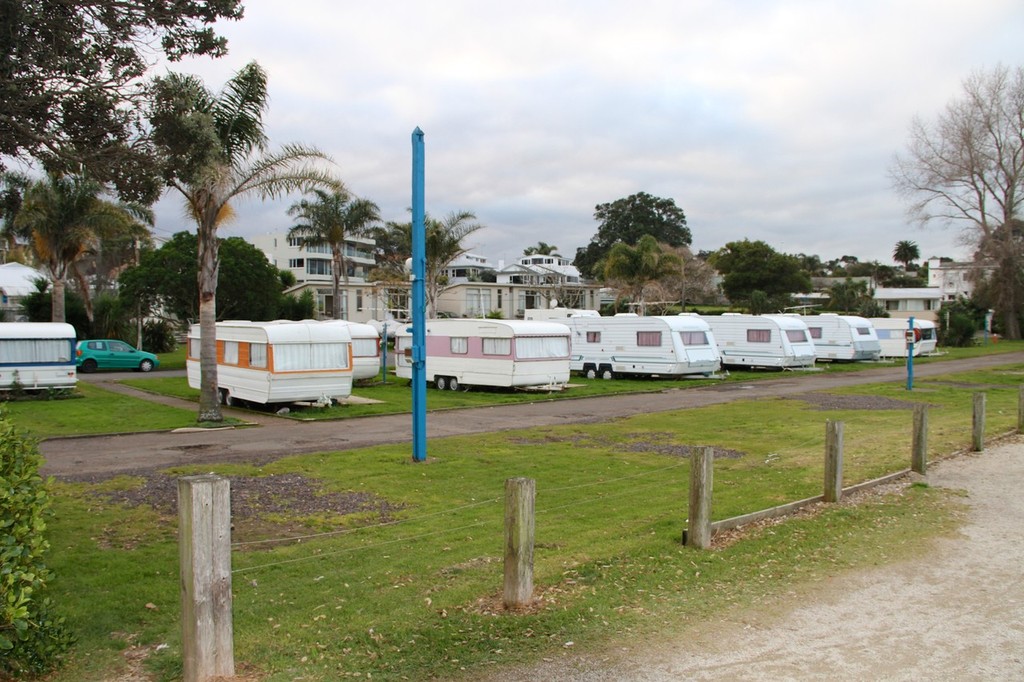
280	362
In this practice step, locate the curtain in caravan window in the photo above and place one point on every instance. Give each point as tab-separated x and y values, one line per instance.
193	348
540	347
34	351
648	338
694	338
364	348
796	335
458	345
258	355
498	346
297	357
231	352
815	332
759	335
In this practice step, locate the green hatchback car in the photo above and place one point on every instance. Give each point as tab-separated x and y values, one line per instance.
94	354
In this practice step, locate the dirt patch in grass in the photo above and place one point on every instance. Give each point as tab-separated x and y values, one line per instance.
265	506
831	401
659	442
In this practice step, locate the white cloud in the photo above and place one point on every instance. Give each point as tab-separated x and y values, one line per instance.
762	120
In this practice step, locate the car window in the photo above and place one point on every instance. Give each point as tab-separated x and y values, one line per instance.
96	345
119	347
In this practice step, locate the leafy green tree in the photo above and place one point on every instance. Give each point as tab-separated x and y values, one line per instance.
637	266
627	220
214	151
64	217
38	307
329	219
848	295
71	80
250	288
748	266
906	252
967	168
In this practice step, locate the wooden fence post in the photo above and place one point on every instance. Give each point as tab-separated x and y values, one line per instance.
978	432
1020	410
520	494
204	530
919	446
698	531
833	461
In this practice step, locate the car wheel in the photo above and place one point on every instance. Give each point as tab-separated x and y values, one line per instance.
441	383
146	366
453	384
89	366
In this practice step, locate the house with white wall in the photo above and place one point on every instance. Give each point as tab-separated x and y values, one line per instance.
918	302
956	279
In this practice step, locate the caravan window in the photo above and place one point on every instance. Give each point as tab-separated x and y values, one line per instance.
593	337
694	338
364	348
231	352
193	348
258	355
298	357
497	346
815	332
796	335
864	331
33	351
759	335
648	338
458	345
541	347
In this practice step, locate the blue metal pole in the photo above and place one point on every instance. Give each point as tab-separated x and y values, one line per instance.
910	355
418	302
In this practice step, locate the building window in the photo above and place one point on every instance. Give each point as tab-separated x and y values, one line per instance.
296	262
648	338
759	335
593	337
359	300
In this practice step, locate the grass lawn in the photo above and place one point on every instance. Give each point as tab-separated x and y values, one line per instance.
385	568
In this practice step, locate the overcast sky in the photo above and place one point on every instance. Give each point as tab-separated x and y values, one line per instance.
774	120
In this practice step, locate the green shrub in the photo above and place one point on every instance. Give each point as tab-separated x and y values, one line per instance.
31	636
158	336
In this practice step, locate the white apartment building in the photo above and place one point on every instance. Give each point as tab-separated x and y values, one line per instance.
955	279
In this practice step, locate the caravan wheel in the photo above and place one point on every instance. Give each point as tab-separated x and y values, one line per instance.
441	383
590	372
453	384
606	373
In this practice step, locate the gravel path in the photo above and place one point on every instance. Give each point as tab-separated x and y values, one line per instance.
955	614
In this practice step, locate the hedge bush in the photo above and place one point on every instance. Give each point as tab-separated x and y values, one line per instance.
31	637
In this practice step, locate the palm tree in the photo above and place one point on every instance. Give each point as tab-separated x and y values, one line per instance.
330	219
906	252
216	153
637	266
542	249
442	243
64	217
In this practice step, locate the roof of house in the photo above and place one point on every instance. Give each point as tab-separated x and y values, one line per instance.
17	279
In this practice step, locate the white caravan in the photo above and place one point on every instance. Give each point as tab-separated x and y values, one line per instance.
365	349
37	355
892	335
762	340
843	337
484	352
277	362
633	345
